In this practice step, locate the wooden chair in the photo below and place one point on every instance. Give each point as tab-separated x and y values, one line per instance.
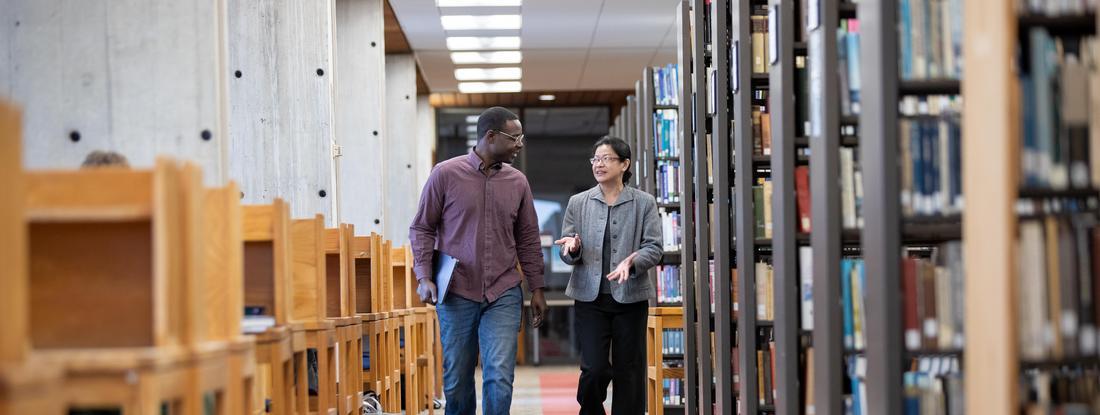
341	302
310	318
267	274
107	285
26	387
372	280
223	266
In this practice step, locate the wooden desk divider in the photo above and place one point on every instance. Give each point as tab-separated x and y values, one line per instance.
311	325
341	295
106	253
389	356
267	274
207	382
660	318
26	387
223	266
367	253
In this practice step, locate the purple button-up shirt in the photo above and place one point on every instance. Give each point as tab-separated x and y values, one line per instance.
485	218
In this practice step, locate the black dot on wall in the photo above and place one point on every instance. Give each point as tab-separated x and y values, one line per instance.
376	221
320	72
406	97
206	135
373	44
322	193
74	136
237	74
375	133
408	166
17	24
242	195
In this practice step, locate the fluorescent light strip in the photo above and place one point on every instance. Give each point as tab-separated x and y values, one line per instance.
479	3
547	97
466	58
483	87
488	74
490	22
472	119
482	43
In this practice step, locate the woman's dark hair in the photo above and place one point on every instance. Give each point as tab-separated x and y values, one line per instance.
621	149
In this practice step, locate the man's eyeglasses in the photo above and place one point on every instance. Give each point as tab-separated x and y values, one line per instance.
518	139
604	160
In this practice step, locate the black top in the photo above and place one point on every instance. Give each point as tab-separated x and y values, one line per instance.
605	285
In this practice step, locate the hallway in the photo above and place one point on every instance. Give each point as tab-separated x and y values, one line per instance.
545	390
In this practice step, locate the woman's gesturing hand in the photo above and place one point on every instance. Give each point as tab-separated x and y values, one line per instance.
569	244
622	272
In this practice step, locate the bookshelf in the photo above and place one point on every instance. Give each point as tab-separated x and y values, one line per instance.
696	43
786	236
1015	250
688	185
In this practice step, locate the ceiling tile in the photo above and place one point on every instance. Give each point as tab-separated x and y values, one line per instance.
552	69
559	23
634	23
614	68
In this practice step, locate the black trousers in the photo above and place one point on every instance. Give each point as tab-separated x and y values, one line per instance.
604	326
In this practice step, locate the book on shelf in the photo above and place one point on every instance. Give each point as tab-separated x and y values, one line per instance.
669	284
806	286
1055	7
848	58
762	207
666	84
802	197
1059	141
802	96
761	127
765	305
671	226
808	382
930	39
851	190
856	403
930	143
852	288
1057	272
933	298
668	181
933	385
759	41
765	366
666	127
672	341
672	392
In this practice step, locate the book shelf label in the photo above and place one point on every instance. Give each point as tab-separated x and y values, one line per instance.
813	15
735	70
773	34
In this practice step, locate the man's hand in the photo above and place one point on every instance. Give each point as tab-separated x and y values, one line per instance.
569	244
622	272
427	292
538	308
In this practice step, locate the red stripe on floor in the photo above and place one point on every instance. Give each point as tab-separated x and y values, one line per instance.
559	393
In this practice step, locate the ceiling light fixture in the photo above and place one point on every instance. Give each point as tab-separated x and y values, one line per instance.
488	74
485	87
472	119
490	22
482	43
503	57
479	3
547	97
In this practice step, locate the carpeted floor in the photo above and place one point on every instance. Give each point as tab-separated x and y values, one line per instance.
547	390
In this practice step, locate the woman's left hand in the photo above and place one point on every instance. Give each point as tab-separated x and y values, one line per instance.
622	272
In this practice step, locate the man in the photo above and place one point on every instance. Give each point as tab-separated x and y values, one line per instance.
479	210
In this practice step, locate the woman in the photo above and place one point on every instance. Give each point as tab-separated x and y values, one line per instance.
611	235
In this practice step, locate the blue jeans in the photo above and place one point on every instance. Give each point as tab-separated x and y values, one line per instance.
463	325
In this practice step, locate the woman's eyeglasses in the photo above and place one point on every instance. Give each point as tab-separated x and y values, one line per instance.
604	160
